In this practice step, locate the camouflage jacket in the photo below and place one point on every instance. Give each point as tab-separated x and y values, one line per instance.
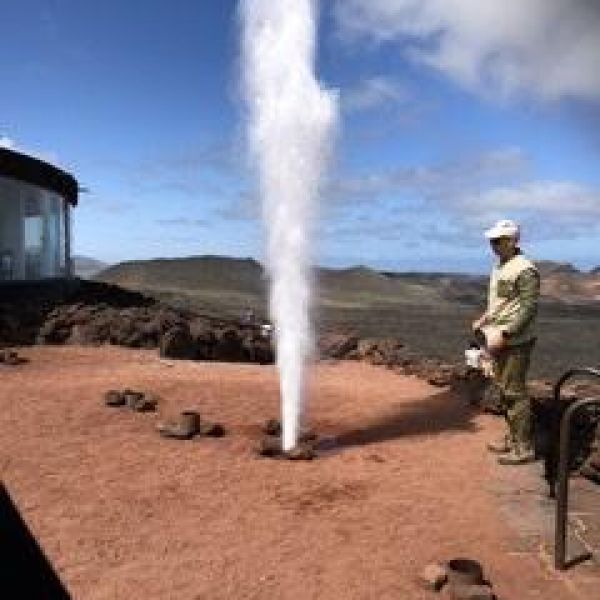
513	299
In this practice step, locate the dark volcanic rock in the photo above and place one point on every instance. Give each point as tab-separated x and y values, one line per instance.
177	343
132	397
138	401
114	398
302	451
230	346
183	427
9	325
11	358
204	338
53	331
380	351
211	429
433	577
94	313
337	346
270	447
258	348
147	403
272	427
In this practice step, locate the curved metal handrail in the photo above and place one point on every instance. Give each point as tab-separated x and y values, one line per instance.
563	462
571	373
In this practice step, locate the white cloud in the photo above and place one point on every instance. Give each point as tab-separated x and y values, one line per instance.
557	210
452	179
373	93
6	142
456	201
546	48
553	197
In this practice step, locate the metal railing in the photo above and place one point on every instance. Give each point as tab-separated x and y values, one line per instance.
562	500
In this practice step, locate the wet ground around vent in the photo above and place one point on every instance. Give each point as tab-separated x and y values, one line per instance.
123	513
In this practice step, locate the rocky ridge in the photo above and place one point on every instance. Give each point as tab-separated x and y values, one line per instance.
94	313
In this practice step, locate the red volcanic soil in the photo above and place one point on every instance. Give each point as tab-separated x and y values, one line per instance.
124	513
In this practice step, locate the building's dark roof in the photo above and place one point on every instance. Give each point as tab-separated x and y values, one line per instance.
37	172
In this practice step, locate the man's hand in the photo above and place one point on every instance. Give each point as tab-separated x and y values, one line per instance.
495	340
479	323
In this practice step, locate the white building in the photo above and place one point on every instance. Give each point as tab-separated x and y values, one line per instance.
35	202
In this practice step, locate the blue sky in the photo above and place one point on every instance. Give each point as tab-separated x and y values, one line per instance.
453	113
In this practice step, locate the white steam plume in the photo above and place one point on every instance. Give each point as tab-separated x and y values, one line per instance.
291	121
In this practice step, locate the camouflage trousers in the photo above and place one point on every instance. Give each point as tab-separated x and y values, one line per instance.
510	375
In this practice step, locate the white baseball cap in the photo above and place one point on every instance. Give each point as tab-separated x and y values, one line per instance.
503	228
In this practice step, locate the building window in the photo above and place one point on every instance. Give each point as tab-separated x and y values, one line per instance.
11	231
33	241
33	223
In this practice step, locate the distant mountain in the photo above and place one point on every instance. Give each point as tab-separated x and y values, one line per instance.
192	273
215	282
213	285
564	283
86	267
455	287
364	285
219	281
550	267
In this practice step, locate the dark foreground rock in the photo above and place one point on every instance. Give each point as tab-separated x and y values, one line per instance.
270	447
337	345
95	313
392	353
182	427
135	400
211	429
11	358
272	427
433	577
177	343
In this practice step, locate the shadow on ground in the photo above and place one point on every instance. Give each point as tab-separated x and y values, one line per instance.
441	412
26	572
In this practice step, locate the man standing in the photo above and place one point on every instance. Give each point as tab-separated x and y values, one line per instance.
508	326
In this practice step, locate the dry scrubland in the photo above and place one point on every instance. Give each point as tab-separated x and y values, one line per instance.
568	336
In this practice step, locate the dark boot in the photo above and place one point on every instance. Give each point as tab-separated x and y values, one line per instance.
114	398
519	455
